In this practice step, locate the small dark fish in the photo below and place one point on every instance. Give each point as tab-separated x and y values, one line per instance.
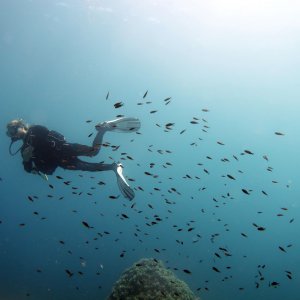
220	143
194	122
125	216
145	94
118	104
90	134
30	198
167	99
86	224
265	158
245	191
153	111
88	121
205	171
281	248
205	110
260	228
187	271
230	176
58	177
248	152
278	133
169	124
70	274
107	96
216	270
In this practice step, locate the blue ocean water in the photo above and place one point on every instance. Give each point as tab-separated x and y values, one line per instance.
230	66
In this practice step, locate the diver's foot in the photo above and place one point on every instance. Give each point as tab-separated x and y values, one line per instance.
123	124
124	187
103	126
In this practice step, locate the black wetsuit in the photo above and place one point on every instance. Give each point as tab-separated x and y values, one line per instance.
51	150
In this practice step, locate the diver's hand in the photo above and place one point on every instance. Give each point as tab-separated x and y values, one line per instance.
43	175
37	172
27	153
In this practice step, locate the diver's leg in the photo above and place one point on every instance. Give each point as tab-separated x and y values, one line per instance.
97	143
77	164
74	149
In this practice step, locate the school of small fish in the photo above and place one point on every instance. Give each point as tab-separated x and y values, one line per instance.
162	194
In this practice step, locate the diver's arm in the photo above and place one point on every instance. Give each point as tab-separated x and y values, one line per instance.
27	153
28	166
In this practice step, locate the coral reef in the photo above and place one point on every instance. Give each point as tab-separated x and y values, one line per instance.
148	279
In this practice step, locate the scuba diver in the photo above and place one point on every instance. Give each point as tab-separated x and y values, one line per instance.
44	150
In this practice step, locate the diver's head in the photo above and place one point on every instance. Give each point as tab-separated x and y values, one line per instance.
16	129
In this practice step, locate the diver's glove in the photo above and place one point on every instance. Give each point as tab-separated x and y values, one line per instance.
41	174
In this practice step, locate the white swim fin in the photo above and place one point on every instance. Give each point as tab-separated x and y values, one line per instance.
124	187
120	125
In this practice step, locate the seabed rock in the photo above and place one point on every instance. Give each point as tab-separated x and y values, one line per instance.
148	279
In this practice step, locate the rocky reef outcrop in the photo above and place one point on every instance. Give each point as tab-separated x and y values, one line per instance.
148	279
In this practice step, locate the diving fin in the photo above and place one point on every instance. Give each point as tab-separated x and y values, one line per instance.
120	125
124	187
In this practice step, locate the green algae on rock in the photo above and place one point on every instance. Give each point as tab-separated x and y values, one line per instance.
148	279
